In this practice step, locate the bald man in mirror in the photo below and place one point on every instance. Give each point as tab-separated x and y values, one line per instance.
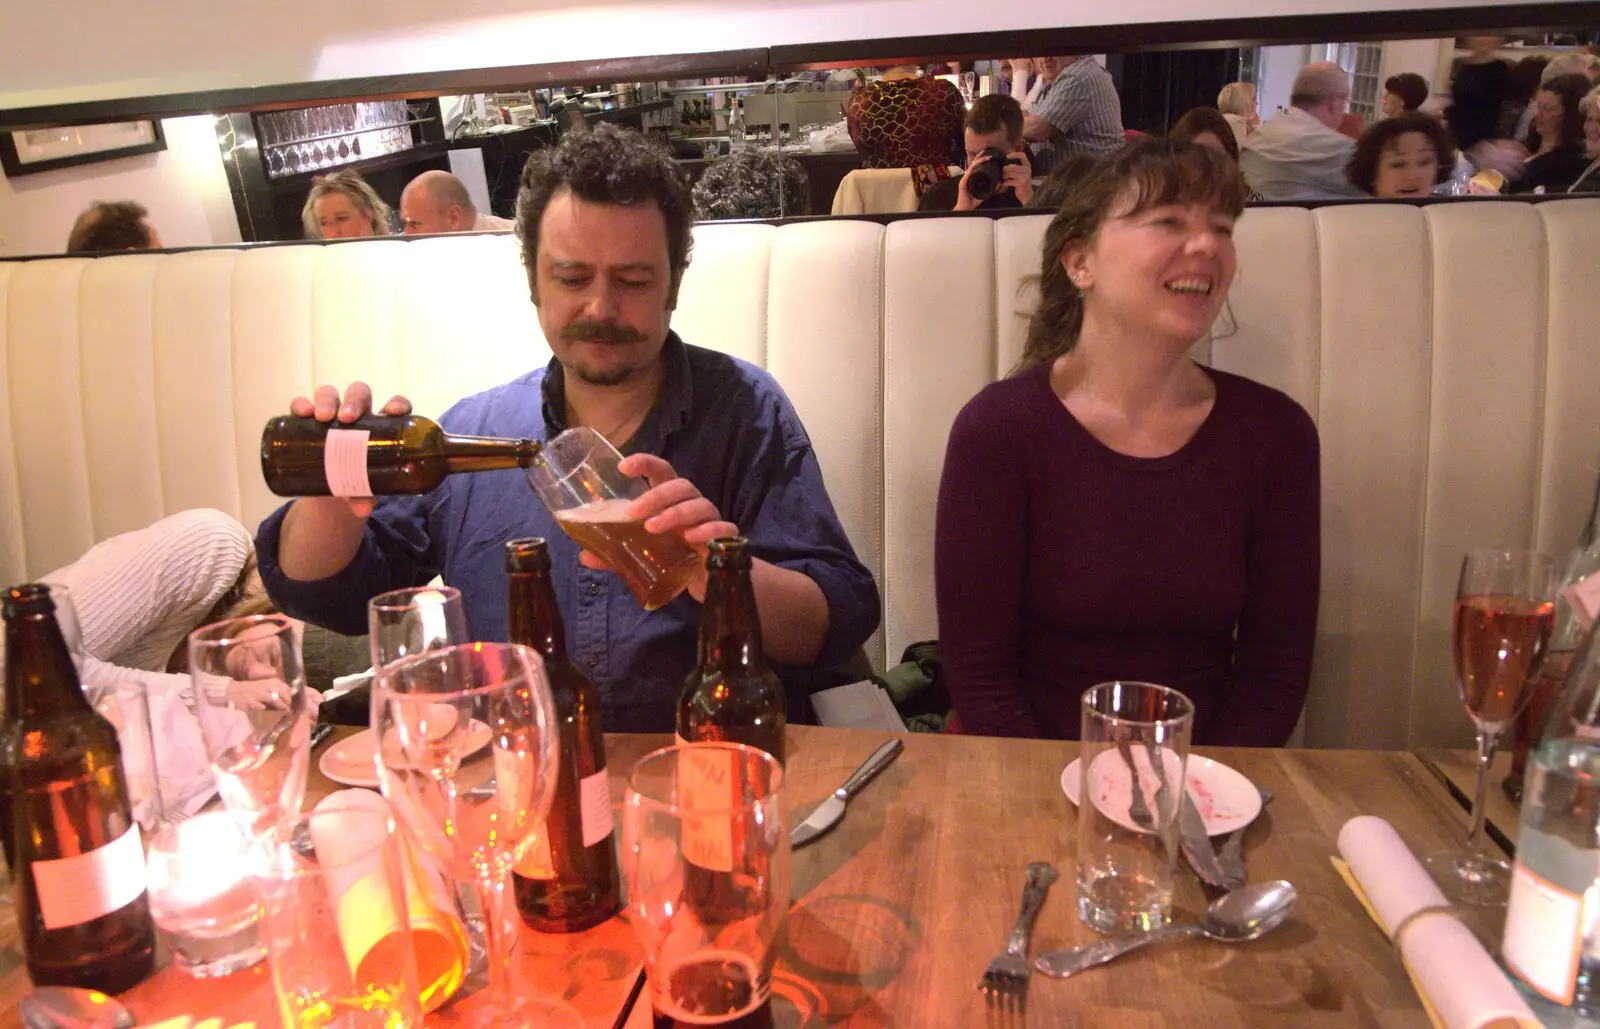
1300	154
437	201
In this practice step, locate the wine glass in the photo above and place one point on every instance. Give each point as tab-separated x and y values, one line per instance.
401	623
255	715
434	713
1504	614
706	856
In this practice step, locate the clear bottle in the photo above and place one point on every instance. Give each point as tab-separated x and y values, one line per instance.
1581	563
736	124
1549	944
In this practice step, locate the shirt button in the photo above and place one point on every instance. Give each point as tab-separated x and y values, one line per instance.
594	589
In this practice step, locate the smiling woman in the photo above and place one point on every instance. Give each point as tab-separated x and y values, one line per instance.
1142	518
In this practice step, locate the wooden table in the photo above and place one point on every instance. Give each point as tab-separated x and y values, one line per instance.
1458	771
896	913
593	971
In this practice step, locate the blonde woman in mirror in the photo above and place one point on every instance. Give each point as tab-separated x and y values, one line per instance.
344	206
1237	102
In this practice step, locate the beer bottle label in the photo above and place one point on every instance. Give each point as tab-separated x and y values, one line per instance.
595	801
705	783
1544	934
81	888
344	462
536	863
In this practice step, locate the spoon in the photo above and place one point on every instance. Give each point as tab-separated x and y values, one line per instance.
66	1007
1244	914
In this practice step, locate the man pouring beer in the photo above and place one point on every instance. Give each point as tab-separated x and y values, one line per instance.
604	220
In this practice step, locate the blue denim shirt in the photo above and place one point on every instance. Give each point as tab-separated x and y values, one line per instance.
721	423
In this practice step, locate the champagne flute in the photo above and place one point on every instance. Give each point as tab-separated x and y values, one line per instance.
433	713
255	715
1504	614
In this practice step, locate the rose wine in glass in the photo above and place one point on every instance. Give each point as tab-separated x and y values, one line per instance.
1504	614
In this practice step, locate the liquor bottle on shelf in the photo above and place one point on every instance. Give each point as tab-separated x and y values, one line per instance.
1549	943
76	858
736	124
732	696
1577	568
377	455
568	881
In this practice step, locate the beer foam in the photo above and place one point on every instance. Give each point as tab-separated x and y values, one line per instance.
612	510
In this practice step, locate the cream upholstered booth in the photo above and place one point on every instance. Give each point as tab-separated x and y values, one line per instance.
1446	352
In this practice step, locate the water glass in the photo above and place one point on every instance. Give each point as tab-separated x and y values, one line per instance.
706	856
255	714
576	477
1131	774
332	891
402	623
202	896
126	705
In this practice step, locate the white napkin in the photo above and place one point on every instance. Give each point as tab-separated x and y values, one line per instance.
181	762
1453	971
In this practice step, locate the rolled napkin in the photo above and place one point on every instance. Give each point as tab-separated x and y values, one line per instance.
1459	983
368	924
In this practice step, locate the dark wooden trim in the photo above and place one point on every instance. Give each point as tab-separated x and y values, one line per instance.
408	86
12	162
1187	35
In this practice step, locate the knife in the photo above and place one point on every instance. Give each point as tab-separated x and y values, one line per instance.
1197	849
828	813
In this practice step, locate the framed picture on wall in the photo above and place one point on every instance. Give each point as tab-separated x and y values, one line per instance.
26	151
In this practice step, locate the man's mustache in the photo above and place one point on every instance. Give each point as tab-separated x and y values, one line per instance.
600	332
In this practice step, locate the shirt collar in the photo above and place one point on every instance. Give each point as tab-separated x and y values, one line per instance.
668	414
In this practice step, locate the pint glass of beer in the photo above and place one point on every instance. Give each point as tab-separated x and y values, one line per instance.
576	476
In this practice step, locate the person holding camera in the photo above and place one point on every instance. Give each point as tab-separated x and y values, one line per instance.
998	174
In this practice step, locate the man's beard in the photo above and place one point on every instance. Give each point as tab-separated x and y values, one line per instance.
613	377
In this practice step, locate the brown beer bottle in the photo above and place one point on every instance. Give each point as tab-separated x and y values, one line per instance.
568	881
732	696
77	862
377	455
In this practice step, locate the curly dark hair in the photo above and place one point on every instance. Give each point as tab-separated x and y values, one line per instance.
610	165
1143	174
752	183
1571	89
1411	88
1362	171
110	225
1197	120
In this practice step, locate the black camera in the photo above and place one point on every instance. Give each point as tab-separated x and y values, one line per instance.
984	178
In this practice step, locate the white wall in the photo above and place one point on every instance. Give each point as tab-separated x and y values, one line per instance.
1414	55
183	186
69	50
1279	65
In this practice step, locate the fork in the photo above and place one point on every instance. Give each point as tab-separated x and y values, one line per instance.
1005	982
1231	856
1138	809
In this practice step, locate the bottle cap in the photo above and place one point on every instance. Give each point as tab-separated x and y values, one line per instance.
531	554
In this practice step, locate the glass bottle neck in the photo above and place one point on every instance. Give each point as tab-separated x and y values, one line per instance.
730	628
533	618
486	453
41	678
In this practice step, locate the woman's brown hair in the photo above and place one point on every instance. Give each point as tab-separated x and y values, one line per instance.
1145	173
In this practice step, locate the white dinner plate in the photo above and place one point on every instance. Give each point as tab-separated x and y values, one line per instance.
1226	800
353	760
